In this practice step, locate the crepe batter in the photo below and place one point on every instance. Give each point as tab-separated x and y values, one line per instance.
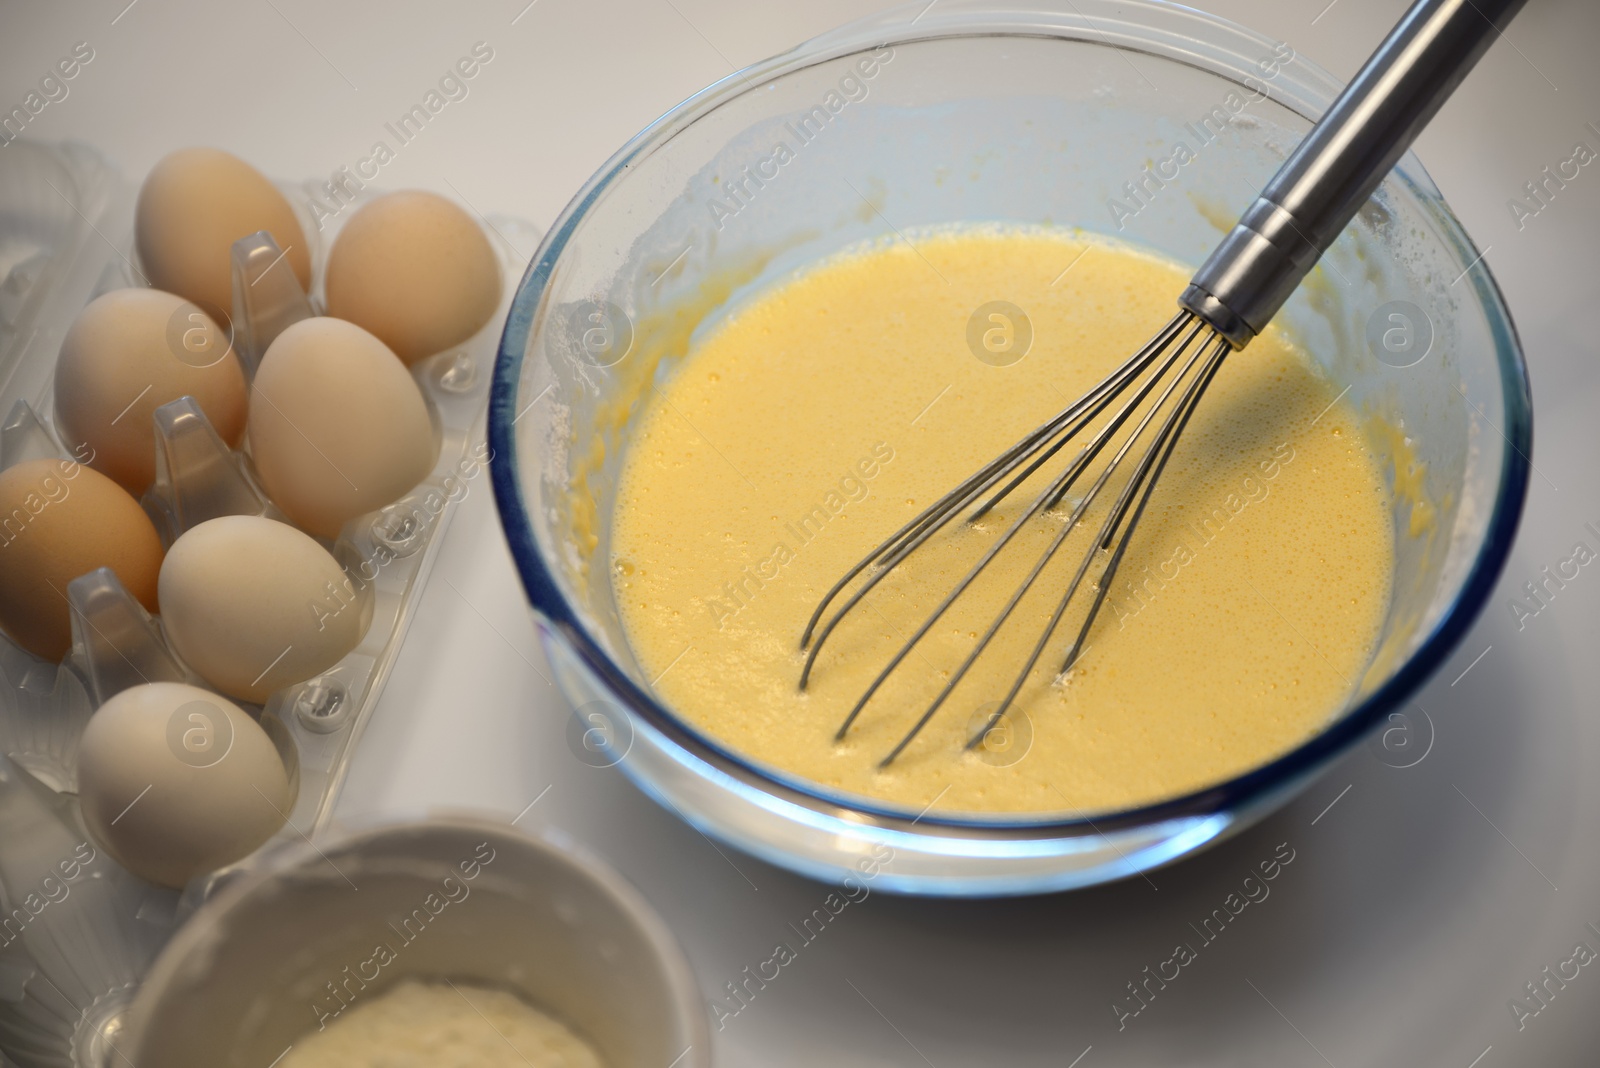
828	411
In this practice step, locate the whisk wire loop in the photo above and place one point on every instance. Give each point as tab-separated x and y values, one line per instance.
1146	476
899	545
1053	493
1186	340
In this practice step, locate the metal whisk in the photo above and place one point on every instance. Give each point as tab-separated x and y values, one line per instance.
1233	296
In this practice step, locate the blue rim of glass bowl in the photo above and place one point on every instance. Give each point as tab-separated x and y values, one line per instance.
1232	795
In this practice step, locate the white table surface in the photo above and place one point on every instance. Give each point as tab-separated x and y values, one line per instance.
1416	907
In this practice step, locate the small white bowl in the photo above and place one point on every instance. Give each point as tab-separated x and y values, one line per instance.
273	955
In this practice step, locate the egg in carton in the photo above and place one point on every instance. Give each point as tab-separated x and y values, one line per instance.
60	997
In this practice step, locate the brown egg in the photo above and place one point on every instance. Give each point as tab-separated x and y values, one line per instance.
59	520
194	205
416	271
337	425
129	352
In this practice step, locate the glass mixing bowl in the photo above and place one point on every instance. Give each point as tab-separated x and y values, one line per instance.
1066	116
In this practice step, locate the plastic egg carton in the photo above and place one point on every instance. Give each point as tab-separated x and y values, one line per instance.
76	930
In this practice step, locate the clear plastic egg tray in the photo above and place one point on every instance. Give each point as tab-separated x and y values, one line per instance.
76	930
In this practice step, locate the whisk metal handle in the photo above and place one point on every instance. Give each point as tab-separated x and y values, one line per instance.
1319	188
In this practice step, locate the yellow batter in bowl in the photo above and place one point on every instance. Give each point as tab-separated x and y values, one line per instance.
825	413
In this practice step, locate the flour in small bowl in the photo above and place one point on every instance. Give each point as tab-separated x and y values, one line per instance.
442	1025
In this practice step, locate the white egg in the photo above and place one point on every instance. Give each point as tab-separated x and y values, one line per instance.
175	781
338	427
254	605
